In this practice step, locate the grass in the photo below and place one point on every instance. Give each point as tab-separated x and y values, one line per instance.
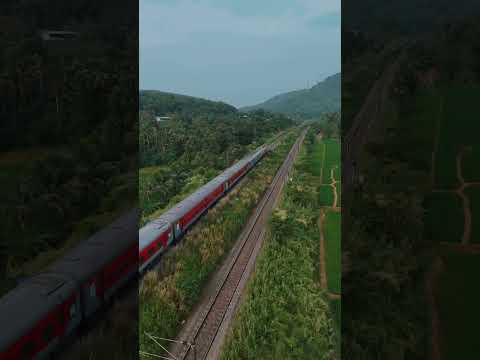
115	338
444	217
166	298
336	310
459	297
285	313
325	195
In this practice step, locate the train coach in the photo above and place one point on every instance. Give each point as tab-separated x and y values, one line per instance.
156	236
41	313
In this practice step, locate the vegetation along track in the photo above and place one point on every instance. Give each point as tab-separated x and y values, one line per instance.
212	316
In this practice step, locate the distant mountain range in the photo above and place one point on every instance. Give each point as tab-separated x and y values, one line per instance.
306	103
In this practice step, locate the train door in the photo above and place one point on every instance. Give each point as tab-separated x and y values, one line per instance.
91	297
170	237
177	229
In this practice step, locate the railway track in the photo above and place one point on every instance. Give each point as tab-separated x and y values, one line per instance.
212	316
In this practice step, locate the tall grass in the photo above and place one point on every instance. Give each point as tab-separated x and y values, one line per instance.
285	314
116	338
167	296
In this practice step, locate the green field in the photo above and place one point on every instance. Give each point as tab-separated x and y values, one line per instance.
332	222
455	110
317	158
331	228
460	127
444	217
325	195
326	153
459	297
474	195
332	159
470	168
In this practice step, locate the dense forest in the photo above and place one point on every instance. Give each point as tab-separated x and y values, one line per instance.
199	139
69	122
309	103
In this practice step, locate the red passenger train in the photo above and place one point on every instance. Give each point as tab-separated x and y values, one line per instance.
156	236
42	312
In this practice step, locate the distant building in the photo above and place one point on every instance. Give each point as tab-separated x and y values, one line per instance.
162	118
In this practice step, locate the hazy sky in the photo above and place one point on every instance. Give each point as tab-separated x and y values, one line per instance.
238	51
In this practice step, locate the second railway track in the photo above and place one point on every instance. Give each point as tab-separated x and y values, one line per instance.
210	319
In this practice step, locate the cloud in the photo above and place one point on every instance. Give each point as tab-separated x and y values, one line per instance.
165	22
327	20
237	51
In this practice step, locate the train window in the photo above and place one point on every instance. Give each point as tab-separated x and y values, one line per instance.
151	251
28	350
48	334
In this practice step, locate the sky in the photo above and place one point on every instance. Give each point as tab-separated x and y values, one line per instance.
238	51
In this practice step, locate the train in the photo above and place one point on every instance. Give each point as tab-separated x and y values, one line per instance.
158	235
43	312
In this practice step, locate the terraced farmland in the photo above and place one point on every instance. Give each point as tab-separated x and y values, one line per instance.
328	172
452	220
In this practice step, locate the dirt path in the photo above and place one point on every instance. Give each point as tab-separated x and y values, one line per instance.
333	184
460	191
467	225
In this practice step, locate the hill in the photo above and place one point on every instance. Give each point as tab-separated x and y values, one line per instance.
161	103
306	103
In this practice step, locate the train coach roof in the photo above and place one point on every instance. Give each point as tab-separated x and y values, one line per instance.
190	201
92	254
184	206
29	302
150	232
